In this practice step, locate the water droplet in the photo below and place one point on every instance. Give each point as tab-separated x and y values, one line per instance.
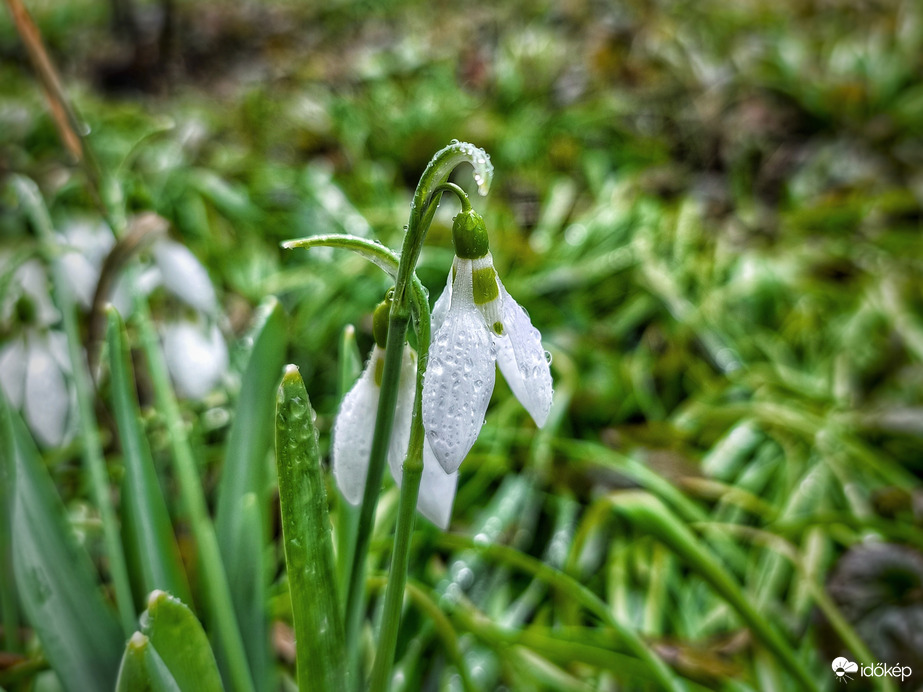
298	407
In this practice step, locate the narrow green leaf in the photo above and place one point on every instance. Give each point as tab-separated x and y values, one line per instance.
181	642
54	577
143	670
215	589
9	602
321	660
244	481
146	527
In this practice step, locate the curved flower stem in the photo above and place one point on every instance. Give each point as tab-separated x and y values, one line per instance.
429	191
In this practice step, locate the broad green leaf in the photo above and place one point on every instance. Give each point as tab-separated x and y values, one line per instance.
321	657
179	639
241	520
54	577
143	670
146	527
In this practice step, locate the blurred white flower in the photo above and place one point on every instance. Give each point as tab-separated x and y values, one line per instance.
352	440
34	364
477	324
34	372
196	355
176	270
85	244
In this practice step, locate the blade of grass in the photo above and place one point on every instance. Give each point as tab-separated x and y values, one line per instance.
574	590
654	517
54	577
321	662
220	607
241	518
146	520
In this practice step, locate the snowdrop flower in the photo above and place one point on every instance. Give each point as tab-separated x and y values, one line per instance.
355	424
194	348
34	364
477	324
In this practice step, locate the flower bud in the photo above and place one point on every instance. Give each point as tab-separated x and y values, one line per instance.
469	235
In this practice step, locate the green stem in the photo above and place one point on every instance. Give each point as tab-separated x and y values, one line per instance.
410	487
215	583
381	438
89	434
422	210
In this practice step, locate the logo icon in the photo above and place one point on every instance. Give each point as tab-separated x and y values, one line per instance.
841	667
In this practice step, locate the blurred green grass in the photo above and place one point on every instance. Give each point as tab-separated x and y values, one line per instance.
712	213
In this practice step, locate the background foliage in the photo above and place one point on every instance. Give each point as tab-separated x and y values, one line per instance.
711	211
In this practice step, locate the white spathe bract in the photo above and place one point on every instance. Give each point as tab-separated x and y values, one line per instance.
467	342
352	441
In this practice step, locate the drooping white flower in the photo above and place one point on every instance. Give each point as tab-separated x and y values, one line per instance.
34	363
34	370
352	440
477	325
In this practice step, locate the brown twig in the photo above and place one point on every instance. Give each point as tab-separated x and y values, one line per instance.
70	128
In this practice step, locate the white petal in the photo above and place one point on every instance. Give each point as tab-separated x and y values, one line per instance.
352	432
522	361
459	381
442	304
12	372
57	346
46	401
32	280
86	243
403	414
184	276
90	239
197	357
81	277
437	490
